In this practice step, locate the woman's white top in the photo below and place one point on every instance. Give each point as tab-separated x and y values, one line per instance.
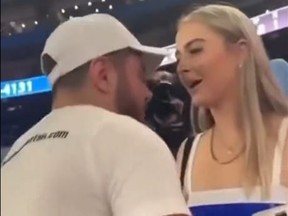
227	202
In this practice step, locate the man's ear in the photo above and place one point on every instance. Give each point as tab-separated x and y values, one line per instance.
100	74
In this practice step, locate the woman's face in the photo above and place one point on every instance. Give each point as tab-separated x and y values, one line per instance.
208	66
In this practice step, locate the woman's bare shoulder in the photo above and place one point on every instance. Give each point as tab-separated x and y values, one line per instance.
180	152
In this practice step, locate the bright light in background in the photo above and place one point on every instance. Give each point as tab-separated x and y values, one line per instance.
62	10
14	88
276	24
103	0
89	3
23	25
76	7
267	11
255	20
262	22
261	29
36	22
11	109
275	14
110	7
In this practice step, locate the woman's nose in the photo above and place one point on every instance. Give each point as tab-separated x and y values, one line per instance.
184	65
182	68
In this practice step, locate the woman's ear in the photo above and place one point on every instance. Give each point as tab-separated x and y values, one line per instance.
242	50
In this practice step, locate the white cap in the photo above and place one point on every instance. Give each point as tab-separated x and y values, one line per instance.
81	39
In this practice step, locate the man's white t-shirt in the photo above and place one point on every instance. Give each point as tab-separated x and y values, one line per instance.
84	160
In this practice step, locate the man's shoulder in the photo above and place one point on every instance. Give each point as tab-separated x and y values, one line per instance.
126	126
122	138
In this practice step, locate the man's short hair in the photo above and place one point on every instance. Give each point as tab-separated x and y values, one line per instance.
72	80
76	78
118	57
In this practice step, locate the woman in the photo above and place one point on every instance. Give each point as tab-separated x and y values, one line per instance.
238	161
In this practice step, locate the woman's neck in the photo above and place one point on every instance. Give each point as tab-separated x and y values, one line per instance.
228	126
227	123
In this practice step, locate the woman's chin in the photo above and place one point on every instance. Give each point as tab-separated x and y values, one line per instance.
198	101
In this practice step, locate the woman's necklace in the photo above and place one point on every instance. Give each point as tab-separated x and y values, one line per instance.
229	151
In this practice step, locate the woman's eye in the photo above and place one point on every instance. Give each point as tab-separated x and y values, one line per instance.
195	50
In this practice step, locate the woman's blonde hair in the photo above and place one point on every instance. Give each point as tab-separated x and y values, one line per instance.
260	95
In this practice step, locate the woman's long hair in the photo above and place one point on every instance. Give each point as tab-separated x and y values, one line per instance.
260	94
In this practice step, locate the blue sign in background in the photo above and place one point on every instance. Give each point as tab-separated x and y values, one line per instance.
23	87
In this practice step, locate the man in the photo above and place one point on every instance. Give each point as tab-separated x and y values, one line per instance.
84	158
280	70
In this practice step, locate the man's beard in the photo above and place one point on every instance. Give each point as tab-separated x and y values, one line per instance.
126	102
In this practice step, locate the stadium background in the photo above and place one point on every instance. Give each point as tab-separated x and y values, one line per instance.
26	24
